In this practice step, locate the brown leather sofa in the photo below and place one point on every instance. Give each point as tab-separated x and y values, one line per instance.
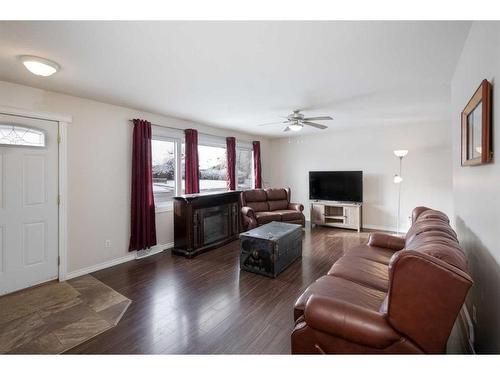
261	206
393	295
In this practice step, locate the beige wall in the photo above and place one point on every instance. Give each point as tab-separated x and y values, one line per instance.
426	169
99	165
476	190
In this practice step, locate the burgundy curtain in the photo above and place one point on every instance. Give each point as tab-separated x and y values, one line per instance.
257	173
191	159
231	162
142	218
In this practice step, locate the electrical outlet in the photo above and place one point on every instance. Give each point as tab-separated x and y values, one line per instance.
474	314
107	243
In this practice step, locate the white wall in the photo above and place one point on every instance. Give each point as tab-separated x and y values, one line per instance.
99	169
426	169
476	190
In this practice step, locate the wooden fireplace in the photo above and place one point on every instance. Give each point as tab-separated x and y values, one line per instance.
205	221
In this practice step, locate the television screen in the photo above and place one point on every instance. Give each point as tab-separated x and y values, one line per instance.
341	186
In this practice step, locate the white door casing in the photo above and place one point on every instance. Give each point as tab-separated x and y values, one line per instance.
29	192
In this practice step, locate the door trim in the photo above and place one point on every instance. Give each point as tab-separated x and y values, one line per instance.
62	122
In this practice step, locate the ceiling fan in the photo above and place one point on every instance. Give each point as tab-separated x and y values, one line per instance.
296	121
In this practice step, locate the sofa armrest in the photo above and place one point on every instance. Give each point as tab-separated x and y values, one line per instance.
296	207
349	322
386	241
248	211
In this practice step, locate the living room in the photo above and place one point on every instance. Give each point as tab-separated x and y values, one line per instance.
248	187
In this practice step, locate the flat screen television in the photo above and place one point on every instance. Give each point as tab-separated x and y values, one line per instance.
340	186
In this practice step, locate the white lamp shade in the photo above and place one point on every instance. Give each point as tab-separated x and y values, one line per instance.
398	179
400	153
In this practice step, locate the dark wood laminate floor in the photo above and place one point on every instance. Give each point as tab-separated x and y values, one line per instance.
206	305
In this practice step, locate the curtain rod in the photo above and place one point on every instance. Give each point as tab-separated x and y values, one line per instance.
174	128
181	129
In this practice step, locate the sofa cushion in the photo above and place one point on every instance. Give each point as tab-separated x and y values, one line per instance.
258	206
340	289
449	253
433	214
429	225
256	199
278	205
276	194
288	215
417	211
255	195
377	254
362	271
267	217
434	237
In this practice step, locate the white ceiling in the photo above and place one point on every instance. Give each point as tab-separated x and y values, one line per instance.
240	74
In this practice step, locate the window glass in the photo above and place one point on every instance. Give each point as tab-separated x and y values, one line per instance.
212	163
163	157
244	168
21	136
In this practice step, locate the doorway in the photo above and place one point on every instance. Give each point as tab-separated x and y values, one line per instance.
29	198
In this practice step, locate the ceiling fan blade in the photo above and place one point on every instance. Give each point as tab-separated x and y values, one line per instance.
287	129
314	125
318	118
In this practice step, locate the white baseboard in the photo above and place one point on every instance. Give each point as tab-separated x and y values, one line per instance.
153	250
384	228
113	262
467	330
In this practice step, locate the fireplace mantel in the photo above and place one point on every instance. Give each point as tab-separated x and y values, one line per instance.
205	221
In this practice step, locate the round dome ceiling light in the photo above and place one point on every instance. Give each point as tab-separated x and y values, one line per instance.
295	126
40	66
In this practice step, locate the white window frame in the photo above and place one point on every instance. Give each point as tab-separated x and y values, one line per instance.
164	134
248	147
212	141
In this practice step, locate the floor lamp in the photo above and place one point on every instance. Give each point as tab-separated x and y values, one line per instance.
398	179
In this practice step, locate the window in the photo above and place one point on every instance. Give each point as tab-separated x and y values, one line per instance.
244	170
21	136
212	164
164	168
168	150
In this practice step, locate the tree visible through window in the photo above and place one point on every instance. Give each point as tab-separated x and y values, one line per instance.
244	168
213	167
163	158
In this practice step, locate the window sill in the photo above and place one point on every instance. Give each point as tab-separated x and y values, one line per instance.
164	207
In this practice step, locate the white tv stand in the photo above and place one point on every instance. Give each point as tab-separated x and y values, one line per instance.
336	214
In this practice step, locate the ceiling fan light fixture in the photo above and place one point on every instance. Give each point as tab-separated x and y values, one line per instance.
40	66
295	127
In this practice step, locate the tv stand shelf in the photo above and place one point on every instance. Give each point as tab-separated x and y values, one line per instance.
336	214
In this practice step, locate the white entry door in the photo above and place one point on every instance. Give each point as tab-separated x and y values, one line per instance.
28	202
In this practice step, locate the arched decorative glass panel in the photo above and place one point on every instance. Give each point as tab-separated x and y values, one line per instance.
15	135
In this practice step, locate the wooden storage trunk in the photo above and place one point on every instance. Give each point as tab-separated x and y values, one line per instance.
269	249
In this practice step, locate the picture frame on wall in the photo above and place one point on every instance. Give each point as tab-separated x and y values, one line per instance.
476	127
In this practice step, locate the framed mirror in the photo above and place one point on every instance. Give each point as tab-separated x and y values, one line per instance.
476	127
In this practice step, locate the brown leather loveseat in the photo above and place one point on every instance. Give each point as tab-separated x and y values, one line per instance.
261	206
393	295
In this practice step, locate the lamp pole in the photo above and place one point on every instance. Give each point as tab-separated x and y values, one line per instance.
399	193
398	179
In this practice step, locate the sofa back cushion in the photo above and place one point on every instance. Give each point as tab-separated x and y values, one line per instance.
433	214
427	225
256	199
417	211
277	199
